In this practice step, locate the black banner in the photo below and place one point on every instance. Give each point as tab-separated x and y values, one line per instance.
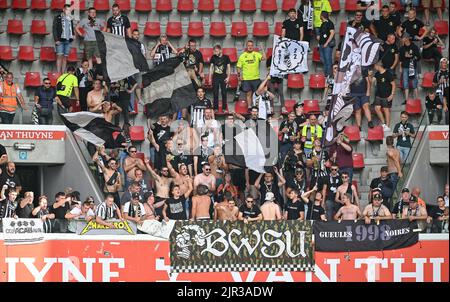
357	236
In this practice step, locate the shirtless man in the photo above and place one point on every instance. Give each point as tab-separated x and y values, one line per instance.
349	211
131	163
347	188
376	210
182	179
96	96
227	209
270	210
205	178
393	161
201	204
162	182
110	110
113	180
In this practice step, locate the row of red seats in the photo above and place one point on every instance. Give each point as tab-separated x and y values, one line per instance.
26	54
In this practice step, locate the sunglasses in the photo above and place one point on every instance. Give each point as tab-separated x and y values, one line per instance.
47	83
164	171
249	201
334	169
344	177
133	151
207	169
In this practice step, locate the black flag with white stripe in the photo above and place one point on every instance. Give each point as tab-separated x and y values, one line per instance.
91	127
121	56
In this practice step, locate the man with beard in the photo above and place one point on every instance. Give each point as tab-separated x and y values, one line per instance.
227	209
163	183
10	178
131	163
298	182
134	210
269	185
112	178
25	206
43	100
205	178
403	203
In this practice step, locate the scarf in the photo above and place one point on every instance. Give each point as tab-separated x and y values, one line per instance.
307	14
64	21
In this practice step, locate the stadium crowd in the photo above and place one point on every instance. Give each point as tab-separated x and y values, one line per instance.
186	175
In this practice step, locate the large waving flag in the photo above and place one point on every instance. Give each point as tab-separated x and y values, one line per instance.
121	56
360	49
289	56
168	88
91	127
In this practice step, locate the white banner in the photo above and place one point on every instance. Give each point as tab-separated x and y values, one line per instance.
22	231
156	228
288	56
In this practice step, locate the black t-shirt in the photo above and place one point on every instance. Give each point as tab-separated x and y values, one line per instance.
413	50
412	27
220	66
386	186
193	59
162	53
399	206
435	212
360	85
300	119
388	54
293	183
118	25
432	104
427	51
325	30
60	212
176	208
292	131
252	212
24	212
182	159
2	150
161	134
293	28
202	154
384	87
397	18
314	212
11	181
293	209
363	25
385	26
332	182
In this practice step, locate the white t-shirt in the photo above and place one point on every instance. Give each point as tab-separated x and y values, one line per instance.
77	211
211	126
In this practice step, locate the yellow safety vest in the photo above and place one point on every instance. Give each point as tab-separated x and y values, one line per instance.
8	101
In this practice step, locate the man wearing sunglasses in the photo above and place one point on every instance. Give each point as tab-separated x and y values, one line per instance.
332	183
131	163
376	210
43	100
205	178
249	211
347	188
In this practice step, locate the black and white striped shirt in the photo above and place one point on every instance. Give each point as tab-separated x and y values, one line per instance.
119	25
105	212
7	208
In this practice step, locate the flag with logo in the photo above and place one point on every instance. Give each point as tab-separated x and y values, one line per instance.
288	56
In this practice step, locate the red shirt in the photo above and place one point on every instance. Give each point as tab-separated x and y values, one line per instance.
344	158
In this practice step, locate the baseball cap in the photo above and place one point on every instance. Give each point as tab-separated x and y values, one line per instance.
270	196
298	105
412	199
135	195
405	190
376	191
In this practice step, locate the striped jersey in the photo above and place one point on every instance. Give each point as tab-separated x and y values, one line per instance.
105	212
119	25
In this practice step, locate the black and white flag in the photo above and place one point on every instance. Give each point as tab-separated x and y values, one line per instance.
360	49
121	56
168	88
91	127
288	56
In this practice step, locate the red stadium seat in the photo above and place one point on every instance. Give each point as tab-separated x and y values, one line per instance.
4	4
342	28
269	6
163	6
317	81
82	4
218	30
232	53
358	161
248	6
32	79
39	27
15	27
174	29
152	29
38	5
335	5
269	52
48	54
6	53
125	5
353	133
53	77
234	81
427	81
288	4
241	107
278	28
102	5
196	30
296	81
239	29
26	54
206	6
57	4
73	56
226	6
441	27
311	106
207	84
143	6
185	6
19	4
316	55
351	5
414	106
260	29
375	134
134	25
289	104
207	54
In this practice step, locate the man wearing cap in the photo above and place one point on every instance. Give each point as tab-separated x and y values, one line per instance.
415	212
134	210
403	203
270	209
385	186
376	210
